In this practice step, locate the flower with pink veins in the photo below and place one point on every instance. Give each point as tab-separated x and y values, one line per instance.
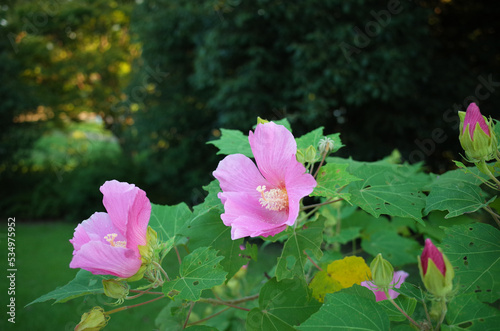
262	199
398	278
108	243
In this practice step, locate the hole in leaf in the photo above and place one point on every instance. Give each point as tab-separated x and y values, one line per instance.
477	291
481	320
471	244
196	283
488	290
465	325
471	229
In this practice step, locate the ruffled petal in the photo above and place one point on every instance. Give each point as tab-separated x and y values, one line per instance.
272	146
238	173
247	226
298	185
129	210
103	259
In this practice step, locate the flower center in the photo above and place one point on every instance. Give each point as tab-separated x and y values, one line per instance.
110	238
275	199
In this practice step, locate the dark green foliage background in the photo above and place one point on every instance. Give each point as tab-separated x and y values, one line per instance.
210	64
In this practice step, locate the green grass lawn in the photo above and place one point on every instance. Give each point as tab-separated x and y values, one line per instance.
43	254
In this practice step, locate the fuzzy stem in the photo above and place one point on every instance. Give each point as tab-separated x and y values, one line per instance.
444	310
188	314
314	263
483	167
321	163
495	216
162	270
321	204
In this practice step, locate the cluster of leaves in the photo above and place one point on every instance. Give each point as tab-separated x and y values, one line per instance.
386	207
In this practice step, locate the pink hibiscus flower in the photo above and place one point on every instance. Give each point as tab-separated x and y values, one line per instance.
397	280
107	243
262	200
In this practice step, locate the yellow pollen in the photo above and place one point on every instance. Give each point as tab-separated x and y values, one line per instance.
110	238
275	199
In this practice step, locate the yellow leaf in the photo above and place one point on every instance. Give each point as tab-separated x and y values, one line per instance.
323	284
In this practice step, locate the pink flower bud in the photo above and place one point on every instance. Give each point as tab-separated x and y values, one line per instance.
431	252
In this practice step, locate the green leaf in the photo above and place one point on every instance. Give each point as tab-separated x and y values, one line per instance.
387	188
232	142
167	221
474	252
172	316
331	178
345	236
292	260
84	283
313	138
458	192
352	308
396	249
207	229
211	201
407	304
199	271
282	305
466	312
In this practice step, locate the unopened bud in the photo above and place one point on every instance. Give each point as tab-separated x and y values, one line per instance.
300	156
436	270
310	155
94	320
477	135
382	272
261	121
116	289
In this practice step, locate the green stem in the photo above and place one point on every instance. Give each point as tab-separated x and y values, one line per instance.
133	306
444	310
162	270
483	167
495	216
321	204
209	317
401	310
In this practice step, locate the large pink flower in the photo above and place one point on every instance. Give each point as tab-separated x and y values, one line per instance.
398	278
107	243
262	200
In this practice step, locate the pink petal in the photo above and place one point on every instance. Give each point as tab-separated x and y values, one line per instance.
238	173
129	210
95	228
243	212
104	259
472	117
398	278
431	252
272	146
298	185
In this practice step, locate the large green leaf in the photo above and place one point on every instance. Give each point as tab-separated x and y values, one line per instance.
387	188
458	192
331	178
232	142
353	308
207	229
396	249
466	312
293	259
474	252
167	221
84	283
282	305
199	271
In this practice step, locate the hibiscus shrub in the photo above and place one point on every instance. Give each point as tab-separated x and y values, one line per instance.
283	241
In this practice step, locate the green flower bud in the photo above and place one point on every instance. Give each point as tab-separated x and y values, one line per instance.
147	254
300	156
310	155
382	272
94	320
261	121
116	289
477	135
436	271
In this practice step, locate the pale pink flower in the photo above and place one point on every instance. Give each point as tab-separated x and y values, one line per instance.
398	278
107	243
262	200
